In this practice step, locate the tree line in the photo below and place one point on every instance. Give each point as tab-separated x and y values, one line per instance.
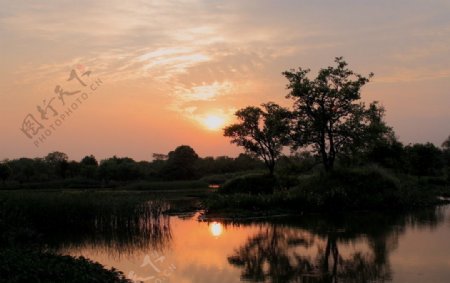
183	163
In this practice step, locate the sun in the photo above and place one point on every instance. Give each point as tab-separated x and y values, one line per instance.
216	229
213	122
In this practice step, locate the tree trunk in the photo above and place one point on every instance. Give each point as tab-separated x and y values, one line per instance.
271	167
328	162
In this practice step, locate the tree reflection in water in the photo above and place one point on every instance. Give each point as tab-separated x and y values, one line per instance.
308	250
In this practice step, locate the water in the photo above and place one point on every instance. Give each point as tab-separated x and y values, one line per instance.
386	247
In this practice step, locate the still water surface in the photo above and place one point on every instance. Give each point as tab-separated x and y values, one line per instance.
363	247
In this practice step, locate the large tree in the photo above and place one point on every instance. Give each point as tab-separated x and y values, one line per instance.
58	161
89	160
329	117
88	166
119	168
181	164
261	131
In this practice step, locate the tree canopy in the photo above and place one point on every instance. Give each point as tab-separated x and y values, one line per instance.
261	131
181	163
329	116
58	161
89	160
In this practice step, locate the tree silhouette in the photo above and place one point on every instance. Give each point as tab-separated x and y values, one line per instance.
59	162
88	166
181	164
119	168
262	132
89	160
328	115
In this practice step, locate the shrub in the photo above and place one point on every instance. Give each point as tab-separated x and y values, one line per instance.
361	188
250	184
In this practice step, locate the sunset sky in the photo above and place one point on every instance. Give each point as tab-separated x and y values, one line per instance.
173	72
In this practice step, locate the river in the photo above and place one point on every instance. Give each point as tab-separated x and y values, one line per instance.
357	247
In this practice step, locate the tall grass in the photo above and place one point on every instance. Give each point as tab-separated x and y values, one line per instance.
118	221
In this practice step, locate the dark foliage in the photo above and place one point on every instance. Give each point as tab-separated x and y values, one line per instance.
56	171
33	266
250	184
330	119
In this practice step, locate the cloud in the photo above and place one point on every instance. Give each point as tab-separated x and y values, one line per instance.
218	54
406	75
205	92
